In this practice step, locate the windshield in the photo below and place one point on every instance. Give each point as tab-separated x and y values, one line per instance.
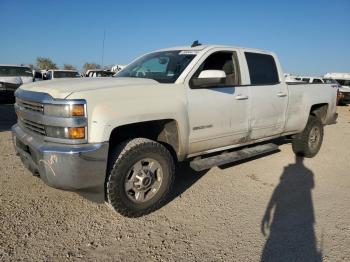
65	74
343	82
164	67
15	71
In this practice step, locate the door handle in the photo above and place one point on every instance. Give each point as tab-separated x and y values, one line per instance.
241	97
280	94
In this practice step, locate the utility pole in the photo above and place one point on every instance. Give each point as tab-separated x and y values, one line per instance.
103	46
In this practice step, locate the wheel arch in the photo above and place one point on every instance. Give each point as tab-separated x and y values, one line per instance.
164	131
320	111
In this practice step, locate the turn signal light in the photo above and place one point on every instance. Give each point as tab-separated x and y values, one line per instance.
77	110
76	132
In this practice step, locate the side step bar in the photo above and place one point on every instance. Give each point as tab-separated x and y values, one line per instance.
231	157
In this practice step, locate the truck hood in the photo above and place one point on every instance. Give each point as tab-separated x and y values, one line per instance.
64	87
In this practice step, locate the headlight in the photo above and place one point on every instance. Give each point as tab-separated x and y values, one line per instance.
65	132
69	110
73	111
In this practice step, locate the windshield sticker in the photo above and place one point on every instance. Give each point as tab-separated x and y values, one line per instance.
188	52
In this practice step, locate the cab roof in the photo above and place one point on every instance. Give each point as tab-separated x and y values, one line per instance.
208	47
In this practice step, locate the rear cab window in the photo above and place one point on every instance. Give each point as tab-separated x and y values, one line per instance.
262	69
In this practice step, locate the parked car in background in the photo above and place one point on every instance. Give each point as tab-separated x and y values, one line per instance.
39	75
310	79
15	74
7	90
57	73
117	68
11	77
99	73
291	79
343	79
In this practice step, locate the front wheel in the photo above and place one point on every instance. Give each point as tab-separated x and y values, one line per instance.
141	177
308	142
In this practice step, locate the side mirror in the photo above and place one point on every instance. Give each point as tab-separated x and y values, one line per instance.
209	78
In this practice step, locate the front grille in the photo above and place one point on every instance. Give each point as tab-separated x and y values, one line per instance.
31	106
32	126
29	124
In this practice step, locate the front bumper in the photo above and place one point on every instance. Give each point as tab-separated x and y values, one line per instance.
60	165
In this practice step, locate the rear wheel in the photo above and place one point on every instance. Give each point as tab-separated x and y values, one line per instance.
308	142
141	177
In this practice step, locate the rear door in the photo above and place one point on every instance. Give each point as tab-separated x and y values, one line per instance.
269	96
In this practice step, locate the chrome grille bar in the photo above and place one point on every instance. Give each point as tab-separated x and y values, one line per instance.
36	128
31	106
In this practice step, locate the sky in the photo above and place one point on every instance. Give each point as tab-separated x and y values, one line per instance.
310	37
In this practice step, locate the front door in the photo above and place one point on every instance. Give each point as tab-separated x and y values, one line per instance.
218	115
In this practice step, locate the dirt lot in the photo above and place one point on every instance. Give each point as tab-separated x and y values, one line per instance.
211	216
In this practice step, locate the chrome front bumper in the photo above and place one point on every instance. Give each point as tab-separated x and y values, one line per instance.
61	165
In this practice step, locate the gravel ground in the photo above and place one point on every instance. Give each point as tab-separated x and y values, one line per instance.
212	216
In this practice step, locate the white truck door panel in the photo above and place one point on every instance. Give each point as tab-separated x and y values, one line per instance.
268	107
218	117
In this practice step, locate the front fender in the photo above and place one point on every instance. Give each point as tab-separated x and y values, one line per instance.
107	112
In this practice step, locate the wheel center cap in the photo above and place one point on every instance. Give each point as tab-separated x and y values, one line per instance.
144	179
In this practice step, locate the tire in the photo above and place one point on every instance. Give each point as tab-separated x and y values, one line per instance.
308	143
140	178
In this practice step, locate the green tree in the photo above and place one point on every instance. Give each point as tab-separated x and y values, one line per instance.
89	66
45	63
68	67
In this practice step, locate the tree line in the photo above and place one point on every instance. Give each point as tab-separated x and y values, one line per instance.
45	63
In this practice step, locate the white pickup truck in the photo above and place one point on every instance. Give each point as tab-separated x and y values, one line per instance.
127	132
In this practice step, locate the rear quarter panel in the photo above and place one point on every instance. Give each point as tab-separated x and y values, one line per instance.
301	99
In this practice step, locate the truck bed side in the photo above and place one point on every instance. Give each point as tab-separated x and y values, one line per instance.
302	98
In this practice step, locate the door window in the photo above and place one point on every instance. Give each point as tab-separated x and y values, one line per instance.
262	69
225	61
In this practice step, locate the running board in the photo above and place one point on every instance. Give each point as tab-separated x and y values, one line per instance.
231	157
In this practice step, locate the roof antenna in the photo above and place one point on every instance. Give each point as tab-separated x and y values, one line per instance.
195	43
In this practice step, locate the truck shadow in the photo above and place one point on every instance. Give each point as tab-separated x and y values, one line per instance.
292	236
7	116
